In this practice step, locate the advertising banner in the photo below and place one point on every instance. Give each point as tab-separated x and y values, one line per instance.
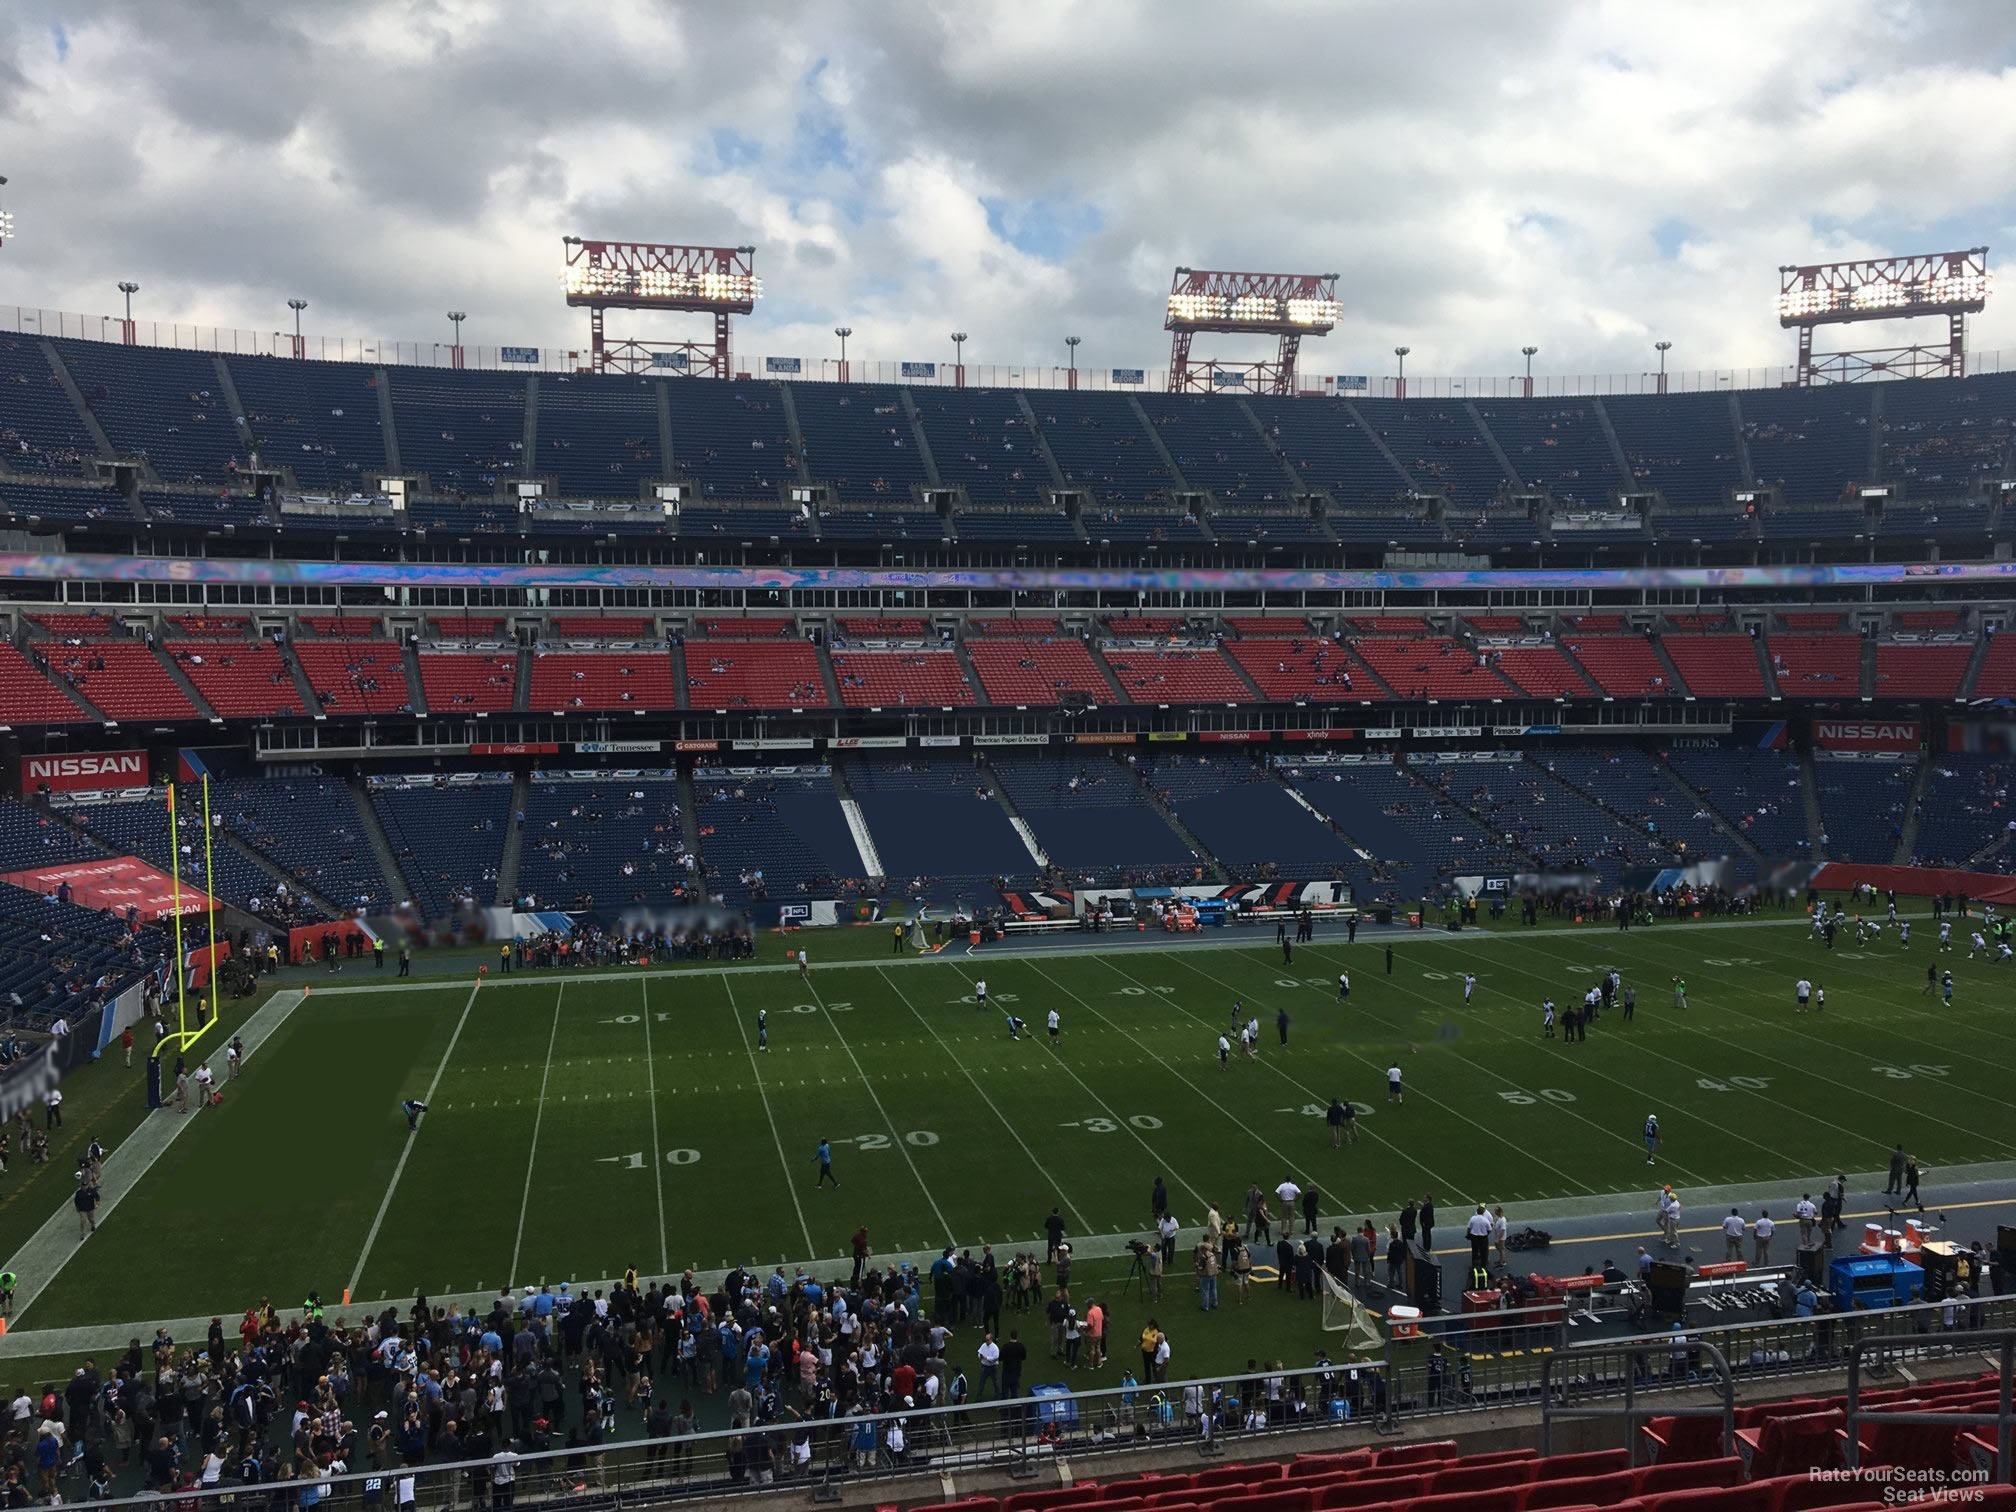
1867	734
517	354
1102	737
782	365
515	748
89	772
918	369
615	747
117	883
871	742
1129	375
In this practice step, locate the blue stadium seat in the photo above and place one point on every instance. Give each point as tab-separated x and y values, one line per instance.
1249	822
465	430
309	828
933	819
319	419
1862	806
1810	442
1440	446
1330	450
598	435
981	441
39	428
447	836
859	441
602	840
1756	790
781	836
731	439
1216	448
162	404
1092	818
1682	445
1101	446
1557	445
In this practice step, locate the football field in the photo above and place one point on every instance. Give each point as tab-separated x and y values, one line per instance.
582	1124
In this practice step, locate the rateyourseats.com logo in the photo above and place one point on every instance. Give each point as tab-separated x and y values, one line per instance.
1897	1486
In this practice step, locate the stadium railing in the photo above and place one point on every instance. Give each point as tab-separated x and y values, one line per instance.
1498	1361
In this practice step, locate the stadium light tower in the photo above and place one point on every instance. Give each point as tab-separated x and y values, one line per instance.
1400	379
1071	373
621	275
1662	347
1288	305
455	318
958	359
1527	352
843	332
1953	284
297	306
129	289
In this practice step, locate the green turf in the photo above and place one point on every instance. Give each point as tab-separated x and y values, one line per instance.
573	1112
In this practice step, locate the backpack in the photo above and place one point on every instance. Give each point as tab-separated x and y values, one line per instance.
1529	1239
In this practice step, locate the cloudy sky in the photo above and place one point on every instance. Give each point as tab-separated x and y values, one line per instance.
1589	177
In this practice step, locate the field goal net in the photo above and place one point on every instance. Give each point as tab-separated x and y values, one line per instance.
1345	1314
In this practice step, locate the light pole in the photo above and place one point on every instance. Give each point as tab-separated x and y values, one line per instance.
958	359
843	332
129	289
455	318
1527	352
1662	347
1071	345
1400	382
297	306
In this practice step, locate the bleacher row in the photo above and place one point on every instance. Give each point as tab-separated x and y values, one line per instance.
873	449
1789	1458
347	667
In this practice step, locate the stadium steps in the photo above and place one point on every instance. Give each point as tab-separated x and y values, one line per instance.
388	426
922	441
528	440
1702	802
1112	678
91	710
857	822
827	680
222	835
1042	441
1161	451
1809	801
1015	820
1742	442
1245	678
514	841
181	680
1907	836
1504	462
1449	797
1379	441
966	670
91	426
1617	456
1575	665
790	407
1764	670
1295	478
228	387
1673	678
374	834
680	698
1169	817
304	689
416	689
1872	465
1364	668
689	828
1971	678
1868	688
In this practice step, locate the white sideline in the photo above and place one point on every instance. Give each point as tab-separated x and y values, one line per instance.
48	1250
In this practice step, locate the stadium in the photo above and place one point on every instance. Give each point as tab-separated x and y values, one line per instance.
657	921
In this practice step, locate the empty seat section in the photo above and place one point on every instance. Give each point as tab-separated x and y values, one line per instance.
124	679
779	836
28	697
1406	526
1180	675
563	680
447	836
1810	442
1997	677
1288	526
1015	526
1415	834
71	626
858	440
341	627
1013	625
901	679
1683	445
464	430
1966	808
731	439
1330	450
356	677
1248	820
602	841
1429	667
309	827
40	431
598	434
466	626
1541	671
61	504
602	626
208	511
1815	525
761	674
455	682
1215	446
883	522
1101	446
1036	672
1313	669
982	441
880	627
1941	435
1092	817
1816	666
1635	785
934	818
1921	671
318	418
1441	447
1557	445
1756	790
160	403
748	523
30	838
1717	666
1550	821
1862	805
239	679
139	827
232	627
49	951
1140	526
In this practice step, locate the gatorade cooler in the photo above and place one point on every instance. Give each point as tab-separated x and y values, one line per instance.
1406	1321
1872	1238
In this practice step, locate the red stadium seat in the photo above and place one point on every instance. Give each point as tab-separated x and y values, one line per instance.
1464	1475
1415	1454
1574	1490
1274	1499
1355	1492
1497	1499
28	696
1689	1438
1754	1497
1328	1464
1179	675
1718	666
1591	1462
1781	1445
1032	673
1624	666
1685	1475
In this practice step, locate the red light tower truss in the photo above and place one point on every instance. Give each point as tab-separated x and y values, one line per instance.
717	281
1953	284
1288	305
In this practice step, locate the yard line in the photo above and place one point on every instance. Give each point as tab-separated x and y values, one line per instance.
657	1155
1006	1122
763	1092
538	1118
406	1151
895	1134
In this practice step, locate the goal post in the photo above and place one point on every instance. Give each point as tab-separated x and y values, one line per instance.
183	1034
1345	1314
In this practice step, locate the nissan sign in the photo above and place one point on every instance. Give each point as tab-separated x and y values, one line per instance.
1866	734
88	772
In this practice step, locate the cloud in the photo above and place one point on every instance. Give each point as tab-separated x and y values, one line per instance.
1584	176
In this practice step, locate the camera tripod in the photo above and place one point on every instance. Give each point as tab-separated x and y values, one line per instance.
1137	1275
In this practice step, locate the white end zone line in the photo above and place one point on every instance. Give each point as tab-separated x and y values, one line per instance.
406	1151
49	1249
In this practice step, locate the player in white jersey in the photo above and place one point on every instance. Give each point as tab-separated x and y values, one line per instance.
1469	985
1547	1018
1803	991
1945	935
1904	934
1976	945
